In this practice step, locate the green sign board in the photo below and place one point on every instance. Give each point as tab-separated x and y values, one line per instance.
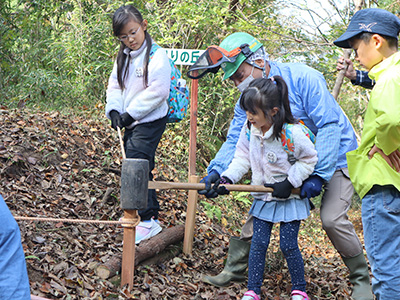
184	56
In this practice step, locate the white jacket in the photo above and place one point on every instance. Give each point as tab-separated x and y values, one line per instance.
142	104
268	161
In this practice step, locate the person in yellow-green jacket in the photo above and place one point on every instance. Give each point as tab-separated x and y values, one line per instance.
374	166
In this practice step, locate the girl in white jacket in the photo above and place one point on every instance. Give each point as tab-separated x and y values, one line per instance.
261	149
137	95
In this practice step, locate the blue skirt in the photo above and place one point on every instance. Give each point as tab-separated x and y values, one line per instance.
281	211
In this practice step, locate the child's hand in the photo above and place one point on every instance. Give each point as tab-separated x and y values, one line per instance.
221	190
348	65
393	159
115	119
281	189
126	119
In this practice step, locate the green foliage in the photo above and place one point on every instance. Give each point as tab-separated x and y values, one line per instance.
211	210
56	54
59	54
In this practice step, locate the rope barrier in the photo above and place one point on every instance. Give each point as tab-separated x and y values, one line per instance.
123	222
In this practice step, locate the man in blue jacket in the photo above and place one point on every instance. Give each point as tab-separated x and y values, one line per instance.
14	282
243	58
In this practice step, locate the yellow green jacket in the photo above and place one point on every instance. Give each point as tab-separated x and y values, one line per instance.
381	127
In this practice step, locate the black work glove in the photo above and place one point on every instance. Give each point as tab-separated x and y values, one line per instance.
281	189
221	190
212	177
115	119
311	187
126	119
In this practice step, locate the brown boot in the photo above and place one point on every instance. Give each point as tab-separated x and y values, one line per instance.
235	267
359	277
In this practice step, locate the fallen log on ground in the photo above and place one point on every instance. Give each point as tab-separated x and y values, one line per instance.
144	250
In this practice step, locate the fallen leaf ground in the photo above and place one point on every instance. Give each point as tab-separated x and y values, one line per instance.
61	166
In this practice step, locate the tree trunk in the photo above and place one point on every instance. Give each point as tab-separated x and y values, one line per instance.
144	250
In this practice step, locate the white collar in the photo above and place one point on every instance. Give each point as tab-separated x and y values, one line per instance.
135	53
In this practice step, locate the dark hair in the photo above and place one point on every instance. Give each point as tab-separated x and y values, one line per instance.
366	37
266	94
122	16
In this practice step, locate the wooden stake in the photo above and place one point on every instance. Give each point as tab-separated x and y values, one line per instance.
346	54
193	128
128	249
190	217
339	79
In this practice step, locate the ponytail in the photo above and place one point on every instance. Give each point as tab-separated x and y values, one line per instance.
265	94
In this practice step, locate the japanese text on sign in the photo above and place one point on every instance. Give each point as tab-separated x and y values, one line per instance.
184	56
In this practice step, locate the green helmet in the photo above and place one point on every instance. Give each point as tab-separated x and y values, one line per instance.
233	41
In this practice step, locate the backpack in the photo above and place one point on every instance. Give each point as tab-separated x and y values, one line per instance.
178	98
287	138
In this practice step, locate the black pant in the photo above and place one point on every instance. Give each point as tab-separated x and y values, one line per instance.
141	142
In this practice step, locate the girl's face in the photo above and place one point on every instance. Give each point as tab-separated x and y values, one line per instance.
133	34
259	120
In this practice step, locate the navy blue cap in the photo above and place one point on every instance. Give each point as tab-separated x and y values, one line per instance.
373	20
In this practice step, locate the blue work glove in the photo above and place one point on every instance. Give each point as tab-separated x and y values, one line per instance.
126	119
221	190
115	119
212	177
311	187
282	189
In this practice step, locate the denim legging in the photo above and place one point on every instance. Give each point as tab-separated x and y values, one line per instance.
288	244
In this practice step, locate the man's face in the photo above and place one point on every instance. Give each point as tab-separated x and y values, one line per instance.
243	72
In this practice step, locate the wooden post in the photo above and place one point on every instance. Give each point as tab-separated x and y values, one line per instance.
190	217
192	195
128	249
134	194
193	127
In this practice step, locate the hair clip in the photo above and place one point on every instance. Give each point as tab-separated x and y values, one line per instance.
272	78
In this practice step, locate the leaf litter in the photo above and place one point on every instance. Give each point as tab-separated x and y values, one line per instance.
68	166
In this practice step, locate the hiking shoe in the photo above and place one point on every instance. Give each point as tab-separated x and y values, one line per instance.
250	295
147	229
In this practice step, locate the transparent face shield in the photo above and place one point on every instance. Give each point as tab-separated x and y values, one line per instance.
210	61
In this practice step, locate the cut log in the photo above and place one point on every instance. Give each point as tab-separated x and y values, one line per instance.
144	250
110	267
